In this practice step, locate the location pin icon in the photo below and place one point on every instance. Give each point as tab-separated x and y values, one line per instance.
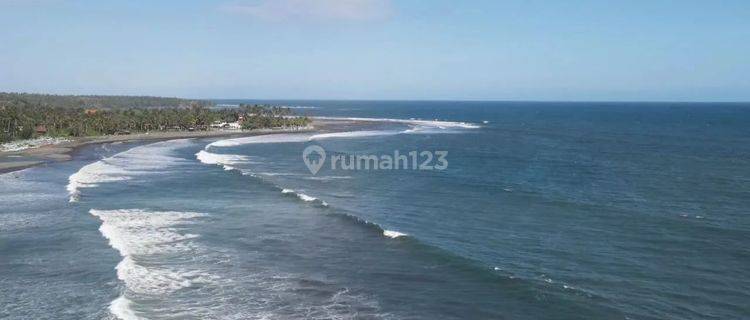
314	157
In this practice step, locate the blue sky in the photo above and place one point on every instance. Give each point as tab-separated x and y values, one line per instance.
379	49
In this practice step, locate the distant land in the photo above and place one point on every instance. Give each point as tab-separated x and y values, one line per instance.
26	115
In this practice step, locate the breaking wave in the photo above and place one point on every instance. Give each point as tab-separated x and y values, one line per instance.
416	126
303	196
266	138
354	134
121	308
426	123
393	234
144	238
125	165
224	160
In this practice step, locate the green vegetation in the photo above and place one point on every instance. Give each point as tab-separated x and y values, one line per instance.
98	102
24	116
264	116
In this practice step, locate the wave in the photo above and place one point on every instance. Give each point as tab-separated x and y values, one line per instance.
121	308
303	196
266	138
296	137
91	175
140	160
225	160
274	174
302	107
139	234
354	134
393	234
427	123
369	224
155	280
136	232
327	178
418	126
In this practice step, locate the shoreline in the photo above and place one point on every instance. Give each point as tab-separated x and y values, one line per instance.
11	161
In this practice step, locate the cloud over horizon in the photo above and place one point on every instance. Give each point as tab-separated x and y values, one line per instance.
312	10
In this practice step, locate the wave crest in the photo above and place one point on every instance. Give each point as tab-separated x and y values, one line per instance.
140	160
393	234
150	236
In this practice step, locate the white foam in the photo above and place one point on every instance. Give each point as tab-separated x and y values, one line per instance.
354	134
157	280
135	231
303	196
428	123
268	138
121	308
393	234
124	165
419	126
328	178
302	107
273	174
139	233
215	158
91	175
225	160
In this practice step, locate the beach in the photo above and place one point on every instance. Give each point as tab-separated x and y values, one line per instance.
21	159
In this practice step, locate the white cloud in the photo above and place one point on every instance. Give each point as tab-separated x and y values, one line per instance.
312	10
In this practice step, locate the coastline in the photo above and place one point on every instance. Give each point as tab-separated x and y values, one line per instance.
11	161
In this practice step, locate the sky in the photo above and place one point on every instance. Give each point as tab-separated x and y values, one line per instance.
572	50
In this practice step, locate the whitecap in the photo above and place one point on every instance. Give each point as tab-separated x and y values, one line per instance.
136	233
428	123
353	134
224	160
393	234
302	107
121	308
267	138
125	165
419	126
328	178
303	196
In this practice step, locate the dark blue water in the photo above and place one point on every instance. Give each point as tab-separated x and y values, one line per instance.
546	211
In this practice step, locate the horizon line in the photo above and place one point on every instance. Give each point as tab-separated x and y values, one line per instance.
389	100
483	100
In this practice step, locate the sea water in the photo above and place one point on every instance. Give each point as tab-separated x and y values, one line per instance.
545	211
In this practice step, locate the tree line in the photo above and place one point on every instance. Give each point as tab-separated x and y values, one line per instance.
24	116
99	102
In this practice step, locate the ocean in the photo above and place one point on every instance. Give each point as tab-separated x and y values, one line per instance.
543	211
